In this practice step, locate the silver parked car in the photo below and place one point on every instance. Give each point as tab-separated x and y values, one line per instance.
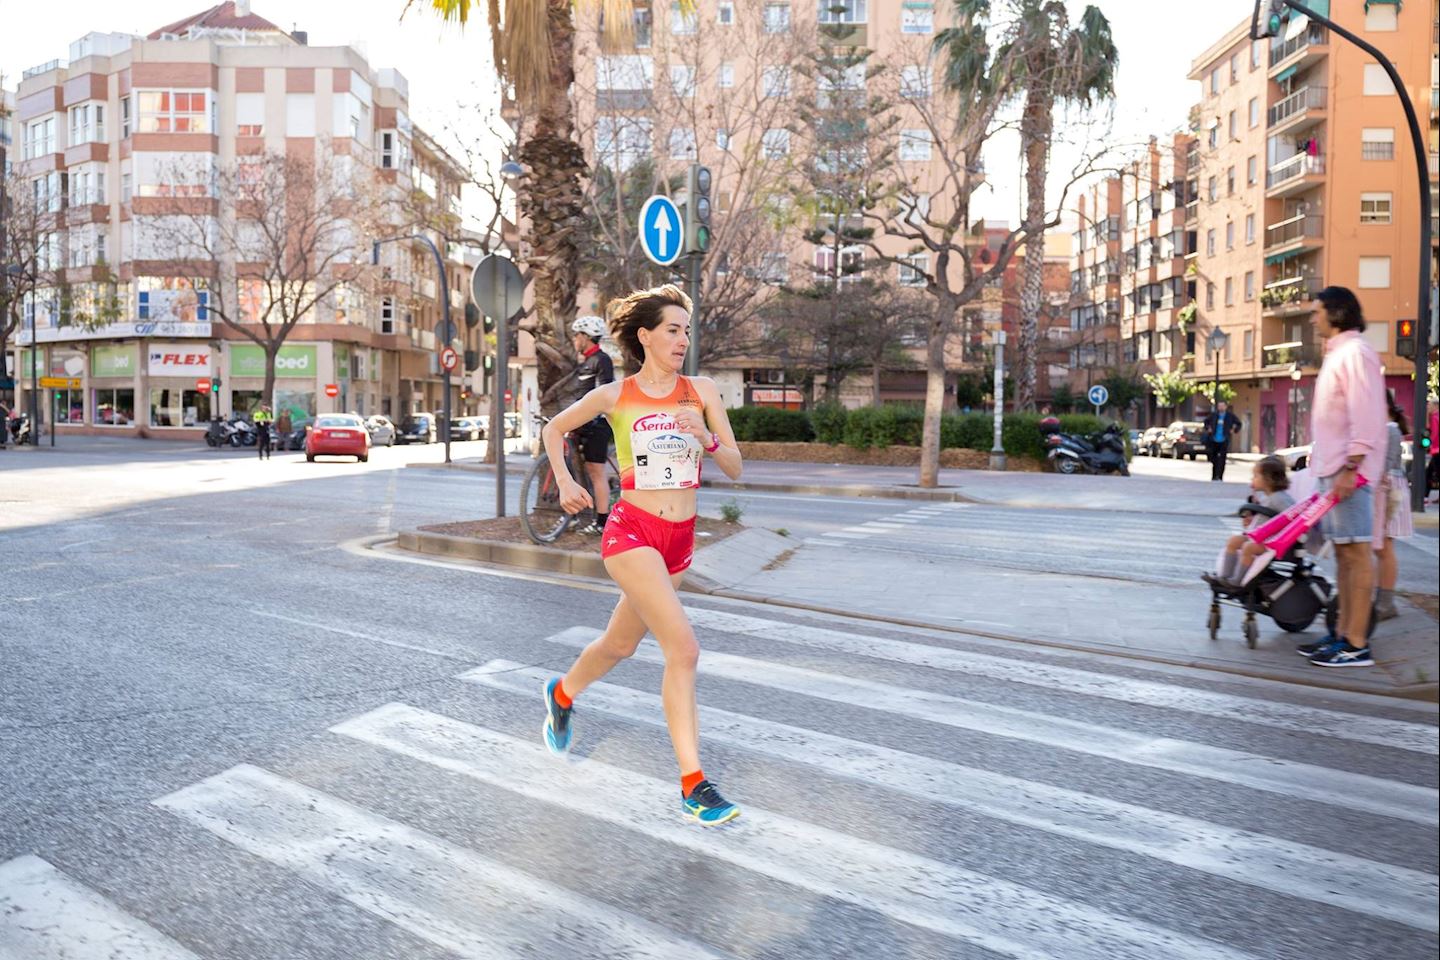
381	430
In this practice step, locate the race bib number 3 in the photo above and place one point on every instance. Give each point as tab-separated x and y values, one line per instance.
665	459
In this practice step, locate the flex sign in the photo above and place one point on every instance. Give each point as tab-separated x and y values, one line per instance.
180	360
248	360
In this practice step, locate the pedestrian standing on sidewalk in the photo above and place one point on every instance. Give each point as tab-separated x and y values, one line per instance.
1220	426
263	418
1392	513
4	424
1347	422
663	424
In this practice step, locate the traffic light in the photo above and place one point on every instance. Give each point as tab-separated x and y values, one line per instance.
215	386
1405	338
1269	19
697	209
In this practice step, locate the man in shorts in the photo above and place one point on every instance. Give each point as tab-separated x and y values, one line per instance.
595	369
1347	420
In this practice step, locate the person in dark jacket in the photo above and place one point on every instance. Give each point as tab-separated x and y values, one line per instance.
1220	426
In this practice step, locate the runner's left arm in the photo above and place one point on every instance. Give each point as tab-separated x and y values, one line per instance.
727	455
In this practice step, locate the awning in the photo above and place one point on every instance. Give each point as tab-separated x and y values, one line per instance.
1381	3
1275	258
1287	73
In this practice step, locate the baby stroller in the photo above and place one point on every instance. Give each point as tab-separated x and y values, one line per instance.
1288	589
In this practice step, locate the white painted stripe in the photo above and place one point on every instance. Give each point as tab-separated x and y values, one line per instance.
47	915
448	895
992	913
817	542
1419	737
1411	897
843	535
864	531
331	628
1354	791
878	525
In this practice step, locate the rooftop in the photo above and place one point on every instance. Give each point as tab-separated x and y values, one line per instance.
228	16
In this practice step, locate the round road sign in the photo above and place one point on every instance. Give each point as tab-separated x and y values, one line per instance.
332	390
1099	395
449	358
203	384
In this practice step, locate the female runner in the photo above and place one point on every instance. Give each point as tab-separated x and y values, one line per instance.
663	424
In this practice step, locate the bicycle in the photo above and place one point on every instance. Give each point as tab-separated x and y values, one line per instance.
541	515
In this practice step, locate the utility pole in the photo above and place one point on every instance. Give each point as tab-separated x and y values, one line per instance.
997	449
697	241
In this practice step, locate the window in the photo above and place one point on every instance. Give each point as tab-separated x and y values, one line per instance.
1374	273
87	184
1229	234
915	82
776	81
1214	136
726	77
1254	112
351	117
249	114
622	141
625	72
643	22
1249	342
387	150
1375	207
1215	81
124	118
387	315
1377	81
114	408
1210	243
1249	287
1212	189
1209	296
1230	182
1235	68
774	268
1229	291
87	124
850	268
777	18
1249	228
917	17
682	80
300	115
174	111
915	145
722	139
178	407
1377	143
39	137
1257	54
683	23
1234	126
127	183
1382	17
47	192
725	13
1252	171
776	142
175	174
913	270
682	143
842	11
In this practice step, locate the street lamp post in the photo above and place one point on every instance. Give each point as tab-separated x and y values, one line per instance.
1290	404
445	324
997	448
1217	340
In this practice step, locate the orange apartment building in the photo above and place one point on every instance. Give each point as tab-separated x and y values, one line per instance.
1312	137
96	135
675	98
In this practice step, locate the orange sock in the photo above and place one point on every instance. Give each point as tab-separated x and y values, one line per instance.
561	697
689	782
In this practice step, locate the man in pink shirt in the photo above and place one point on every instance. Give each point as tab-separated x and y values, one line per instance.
1347	422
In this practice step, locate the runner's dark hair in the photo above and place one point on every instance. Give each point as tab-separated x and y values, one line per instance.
1342	307
1272	469
643	309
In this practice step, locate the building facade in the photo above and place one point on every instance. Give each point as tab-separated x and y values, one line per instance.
102	138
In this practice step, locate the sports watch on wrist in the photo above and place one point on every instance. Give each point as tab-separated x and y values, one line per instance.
714	443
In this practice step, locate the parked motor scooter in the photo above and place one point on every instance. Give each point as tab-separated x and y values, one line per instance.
1071	453
242	433
20	432
217	434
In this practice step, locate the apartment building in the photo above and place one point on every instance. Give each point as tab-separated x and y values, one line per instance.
720	86
102	136
1097	263
1308	130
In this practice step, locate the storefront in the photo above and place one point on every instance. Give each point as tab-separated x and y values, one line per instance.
296	369
174	397
113	372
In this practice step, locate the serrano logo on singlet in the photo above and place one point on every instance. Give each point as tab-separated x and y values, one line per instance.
654	423
669	443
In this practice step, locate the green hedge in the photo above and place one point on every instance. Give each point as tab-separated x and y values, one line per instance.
771	423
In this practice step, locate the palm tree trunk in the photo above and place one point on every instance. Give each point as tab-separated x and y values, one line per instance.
1036	125
553	202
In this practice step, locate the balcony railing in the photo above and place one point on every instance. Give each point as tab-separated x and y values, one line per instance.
1300	352
1297	166
43	68
1306	98
1290	290
1314	34
1296	228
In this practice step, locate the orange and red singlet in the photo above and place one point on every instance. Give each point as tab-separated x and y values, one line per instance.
653	453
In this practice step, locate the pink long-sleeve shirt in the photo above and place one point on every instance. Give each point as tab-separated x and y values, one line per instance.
1348	415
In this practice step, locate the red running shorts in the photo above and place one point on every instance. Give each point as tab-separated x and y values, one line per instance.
630	527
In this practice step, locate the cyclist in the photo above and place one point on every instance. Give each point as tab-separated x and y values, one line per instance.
594	370
664	423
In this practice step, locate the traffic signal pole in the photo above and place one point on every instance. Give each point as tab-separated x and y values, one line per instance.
692	356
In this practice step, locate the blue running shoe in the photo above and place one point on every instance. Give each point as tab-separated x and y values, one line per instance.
1343	655
1308	650
706	807
557	721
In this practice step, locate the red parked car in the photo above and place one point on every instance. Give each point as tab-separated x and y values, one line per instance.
337	435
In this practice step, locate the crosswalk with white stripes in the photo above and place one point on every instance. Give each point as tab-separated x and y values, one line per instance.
783	713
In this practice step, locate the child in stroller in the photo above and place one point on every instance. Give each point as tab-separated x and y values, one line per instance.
1268	486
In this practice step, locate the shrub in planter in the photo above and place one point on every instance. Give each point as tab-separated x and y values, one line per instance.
784	426
828	422
967	431
740	420
1020	435
907	425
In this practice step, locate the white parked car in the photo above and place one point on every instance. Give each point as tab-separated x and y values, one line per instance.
381	430
1298	458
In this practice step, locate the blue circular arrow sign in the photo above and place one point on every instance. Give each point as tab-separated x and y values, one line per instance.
1099	395
661	232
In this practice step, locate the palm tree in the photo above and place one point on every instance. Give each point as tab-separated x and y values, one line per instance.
1055	64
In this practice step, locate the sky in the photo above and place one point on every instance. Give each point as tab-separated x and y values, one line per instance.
448	69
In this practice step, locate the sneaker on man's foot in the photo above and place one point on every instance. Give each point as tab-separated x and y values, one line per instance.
557	721
1320	646
1343	655
706	807
592	529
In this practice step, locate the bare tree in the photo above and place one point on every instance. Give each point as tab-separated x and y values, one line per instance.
290	233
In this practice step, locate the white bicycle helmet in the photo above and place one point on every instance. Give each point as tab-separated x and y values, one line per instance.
592	326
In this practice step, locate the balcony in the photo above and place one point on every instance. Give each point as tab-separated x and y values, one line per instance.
1303	353
1288	296
1295	175
1302	109
1303	231
45	67
1300	51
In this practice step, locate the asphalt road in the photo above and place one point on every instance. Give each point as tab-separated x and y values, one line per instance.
228	731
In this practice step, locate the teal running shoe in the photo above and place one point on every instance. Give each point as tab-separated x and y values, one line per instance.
557	721
706	807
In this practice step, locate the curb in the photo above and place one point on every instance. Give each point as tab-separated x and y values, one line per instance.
526	555
944	494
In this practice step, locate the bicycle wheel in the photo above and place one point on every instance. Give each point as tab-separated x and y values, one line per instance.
540	512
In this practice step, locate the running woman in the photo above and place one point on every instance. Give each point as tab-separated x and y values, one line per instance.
663	423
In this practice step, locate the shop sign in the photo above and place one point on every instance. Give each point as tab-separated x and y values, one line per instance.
67	363
180	360
120	361
248	360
